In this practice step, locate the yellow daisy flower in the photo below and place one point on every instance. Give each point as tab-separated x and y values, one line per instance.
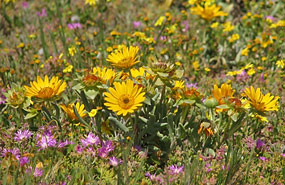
208	12
124	57
70	112
45	89
223	93
137	72
261	102
104	74
125	98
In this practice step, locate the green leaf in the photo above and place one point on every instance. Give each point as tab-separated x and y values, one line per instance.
119	124
80	118
223	106
77	87
91	94
31	115
178	73
143	119
85	101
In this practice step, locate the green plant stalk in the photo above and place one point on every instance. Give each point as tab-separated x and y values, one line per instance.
61	31
42	36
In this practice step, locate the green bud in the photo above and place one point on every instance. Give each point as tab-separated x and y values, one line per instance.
211	103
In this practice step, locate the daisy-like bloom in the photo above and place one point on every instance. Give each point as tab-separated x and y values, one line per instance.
205	127
125	98
45	140
124	57
175	170
21	135
70	112
91	2
137	72
280	64
261	102
224	93
104	74
179	85
45	89
91	139
208	12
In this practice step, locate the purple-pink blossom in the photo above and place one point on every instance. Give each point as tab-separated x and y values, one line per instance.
113	161
90	140
62	144
107	146
175	170
22	135
136	24
259	144
38	172
45	140
24	160
42	13
73	26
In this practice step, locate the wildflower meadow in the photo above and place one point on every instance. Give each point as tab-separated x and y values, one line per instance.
142	92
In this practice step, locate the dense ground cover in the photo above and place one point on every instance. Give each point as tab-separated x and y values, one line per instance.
142	92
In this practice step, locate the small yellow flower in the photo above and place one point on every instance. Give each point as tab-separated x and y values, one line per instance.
228	27
264	58
207	69
196	65
93	113
215	25
68	69
234	37
280	64
251	72
109	49
91	2
21	45
245	51
72	51
179	85
160	21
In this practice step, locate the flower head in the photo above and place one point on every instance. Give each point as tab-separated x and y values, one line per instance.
175	170
21	135
222	94
104	74
124	57
45	89
208	12
125	98
261	102
70	111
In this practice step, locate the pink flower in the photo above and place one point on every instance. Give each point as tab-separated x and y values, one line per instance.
42	13
73	26
262	158
90	140
38	172
175	170
113	161
22	135
24	160
107	147
45	140
136	24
